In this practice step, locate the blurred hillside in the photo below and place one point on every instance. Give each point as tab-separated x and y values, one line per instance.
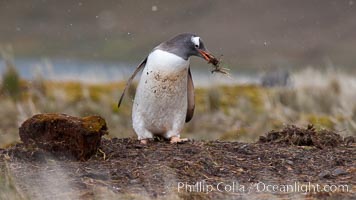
249	33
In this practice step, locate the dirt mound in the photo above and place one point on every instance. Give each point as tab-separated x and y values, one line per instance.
309	136
62	134
122	168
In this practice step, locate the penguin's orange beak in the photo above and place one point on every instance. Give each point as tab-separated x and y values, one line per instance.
206	55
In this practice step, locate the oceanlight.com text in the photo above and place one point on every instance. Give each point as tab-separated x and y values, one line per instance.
260	187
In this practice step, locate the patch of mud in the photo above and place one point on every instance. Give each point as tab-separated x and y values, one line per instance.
309	136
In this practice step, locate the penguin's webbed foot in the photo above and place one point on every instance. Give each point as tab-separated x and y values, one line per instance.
143	141
178	140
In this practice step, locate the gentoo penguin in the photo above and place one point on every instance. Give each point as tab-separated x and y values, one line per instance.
164	98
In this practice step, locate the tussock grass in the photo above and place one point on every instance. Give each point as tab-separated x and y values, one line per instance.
235	112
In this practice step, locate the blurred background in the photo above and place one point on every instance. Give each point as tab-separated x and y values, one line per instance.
292	62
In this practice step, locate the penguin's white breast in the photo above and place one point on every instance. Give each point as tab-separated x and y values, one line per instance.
161	96
165	74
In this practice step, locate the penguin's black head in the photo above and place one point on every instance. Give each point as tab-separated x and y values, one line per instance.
185	45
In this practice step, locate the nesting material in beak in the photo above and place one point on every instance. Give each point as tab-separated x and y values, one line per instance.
216	62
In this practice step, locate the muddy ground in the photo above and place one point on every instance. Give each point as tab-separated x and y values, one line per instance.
122	168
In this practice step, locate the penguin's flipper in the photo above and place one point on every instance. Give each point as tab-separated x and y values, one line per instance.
191	103
139	67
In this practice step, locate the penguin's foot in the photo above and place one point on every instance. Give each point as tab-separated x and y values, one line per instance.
143	141
175	140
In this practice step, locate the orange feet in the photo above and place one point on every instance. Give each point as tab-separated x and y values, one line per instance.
175	140
143	141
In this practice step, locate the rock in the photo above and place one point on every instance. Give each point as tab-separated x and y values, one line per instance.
349	140
339	171
62	134
325	174
290	162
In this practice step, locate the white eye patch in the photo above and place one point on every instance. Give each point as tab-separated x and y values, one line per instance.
196	41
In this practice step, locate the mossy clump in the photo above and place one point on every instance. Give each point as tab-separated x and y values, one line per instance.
64	135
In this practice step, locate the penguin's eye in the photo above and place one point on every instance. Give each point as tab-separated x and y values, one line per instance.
196	41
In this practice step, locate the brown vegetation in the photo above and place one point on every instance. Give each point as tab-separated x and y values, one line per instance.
303	137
